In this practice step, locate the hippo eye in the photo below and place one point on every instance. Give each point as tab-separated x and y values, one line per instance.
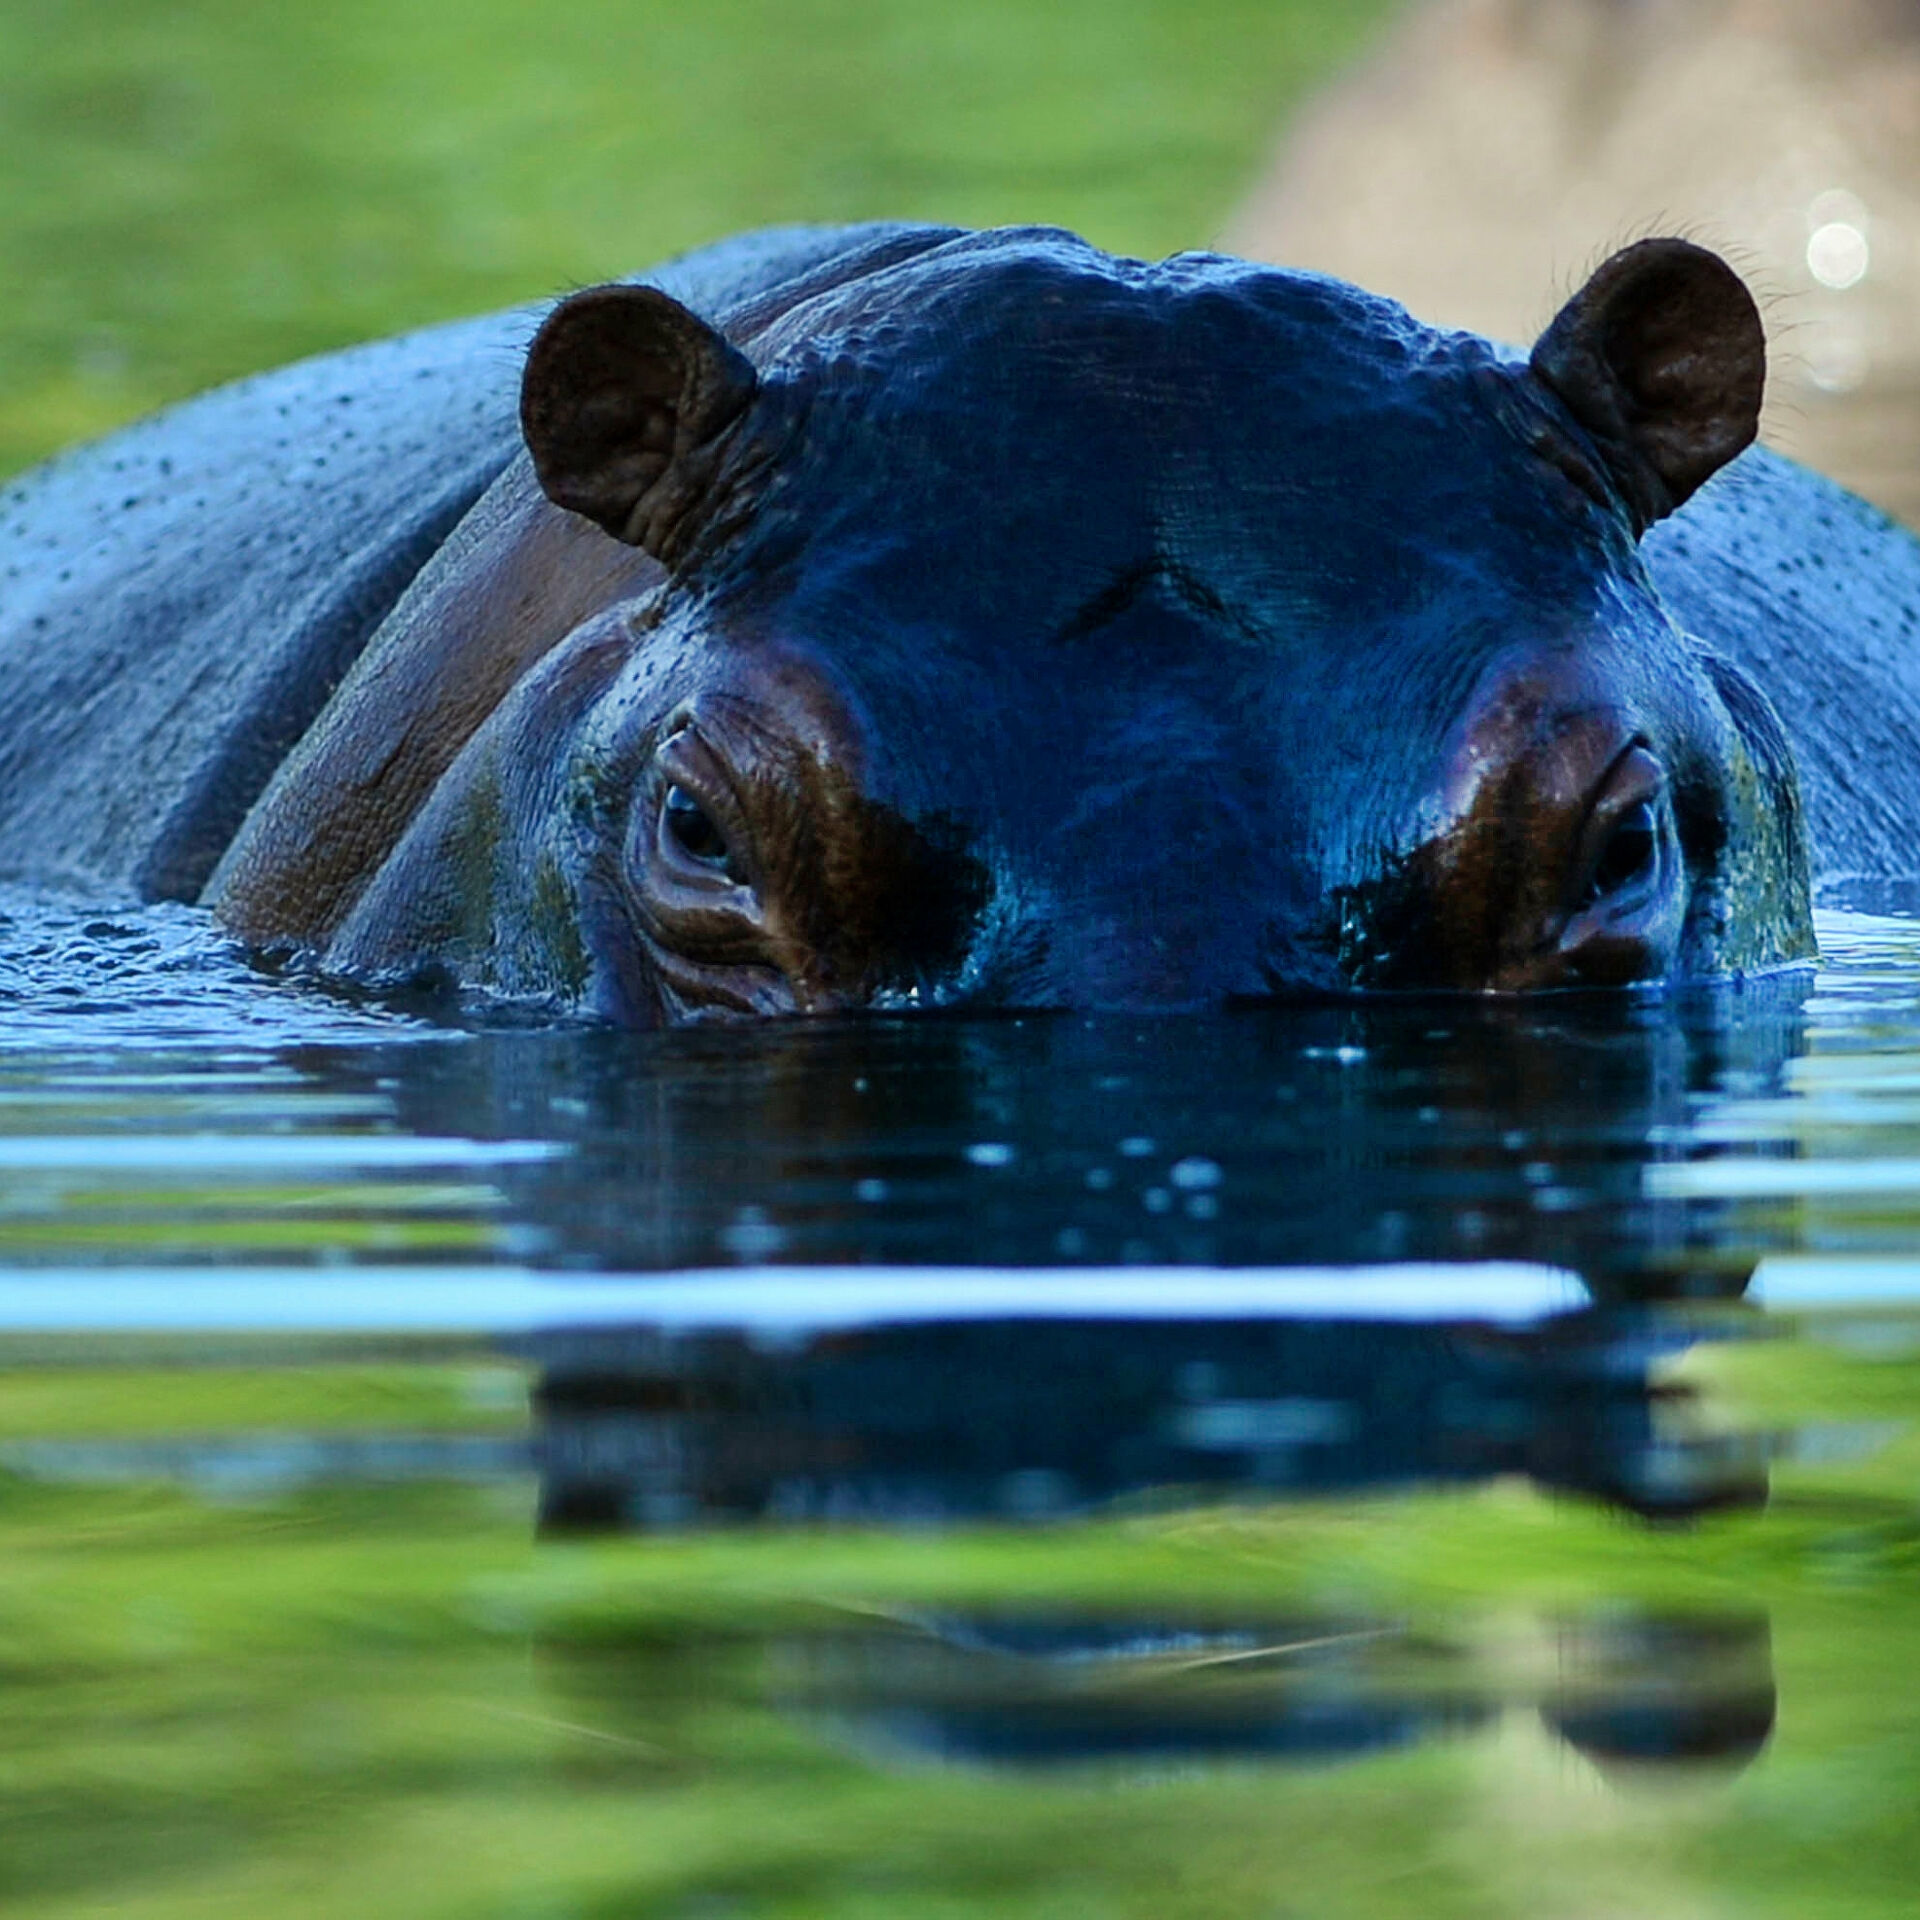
694	832
1628	851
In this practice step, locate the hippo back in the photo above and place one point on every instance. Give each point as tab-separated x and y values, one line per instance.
178	601
1816	595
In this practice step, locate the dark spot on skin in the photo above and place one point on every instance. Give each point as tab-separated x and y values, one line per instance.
862	900
898	902
472	856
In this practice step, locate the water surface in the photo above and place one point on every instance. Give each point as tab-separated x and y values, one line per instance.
1441	1457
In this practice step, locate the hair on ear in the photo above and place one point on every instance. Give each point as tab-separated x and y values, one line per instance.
623	394
1662	359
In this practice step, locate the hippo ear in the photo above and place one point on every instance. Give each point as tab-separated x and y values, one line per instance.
1661	357
623	395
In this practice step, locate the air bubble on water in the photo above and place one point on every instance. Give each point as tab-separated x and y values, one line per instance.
751	1235
1194	1174
1558	1199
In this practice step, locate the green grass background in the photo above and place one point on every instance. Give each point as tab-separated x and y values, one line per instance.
196	189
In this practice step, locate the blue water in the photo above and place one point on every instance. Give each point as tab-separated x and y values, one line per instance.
165	1105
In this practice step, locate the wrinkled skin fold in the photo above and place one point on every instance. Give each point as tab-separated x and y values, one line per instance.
901	616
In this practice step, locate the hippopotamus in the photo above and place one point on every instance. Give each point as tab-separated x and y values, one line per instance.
898	615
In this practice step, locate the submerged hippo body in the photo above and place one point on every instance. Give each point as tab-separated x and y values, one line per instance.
887	614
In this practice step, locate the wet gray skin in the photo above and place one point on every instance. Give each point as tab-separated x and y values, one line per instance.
911	617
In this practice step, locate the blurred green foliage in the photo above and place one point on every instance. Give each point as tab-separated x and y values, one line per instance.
92	1402
195	190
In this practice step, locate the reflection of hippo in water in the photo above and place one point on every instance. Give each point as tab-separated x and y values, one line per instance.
984	618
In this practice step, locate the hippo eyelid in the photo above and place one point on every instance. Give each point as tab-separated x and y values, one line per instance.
1623	841
692	840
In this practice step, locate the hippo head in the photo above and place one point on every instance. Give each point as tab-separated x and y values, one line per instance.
1025	626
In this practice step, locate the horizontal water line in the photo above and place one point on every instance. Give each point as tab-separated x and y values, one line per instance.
166	1152
1817	1280
1745	1179
771	1300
